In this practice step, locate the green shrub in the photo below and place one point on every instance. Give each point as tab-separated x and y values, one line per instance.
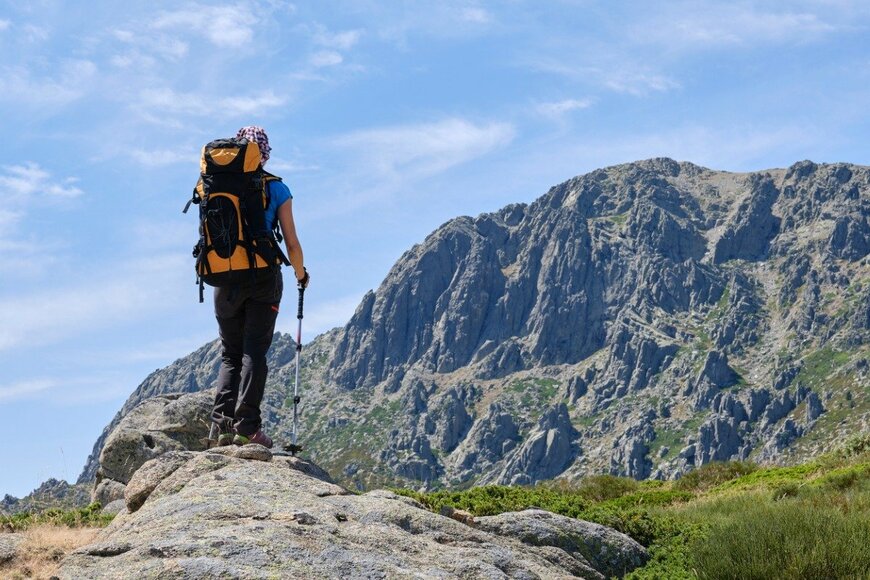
843	479
495	499
784	490
605	487
642	525
712	474
670	555
770	477
856	446
786	540
652	497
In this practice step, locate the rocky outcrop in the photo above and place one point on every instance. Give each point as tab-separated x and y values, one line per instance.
753	226
448	419
629	457
602	552
714	375
719	439
548	450
211	515
156	426
634	360
491	438
193	373
9	547
850	239
742	321
52	493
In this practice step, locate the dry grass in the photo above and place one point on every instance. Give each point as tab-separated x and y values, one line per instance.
41	549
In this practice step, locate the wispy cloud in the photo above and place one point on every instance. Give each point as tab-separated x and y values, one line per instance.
290	166
163	157
21	182
221	25
169	101
638	83
425	149
68	391
440	20
558	109
34	34
344	40
4	25
377	163
618	74
27	187
163	351
20	86
25	389
45	317
716	24
732	148
476	15
325	58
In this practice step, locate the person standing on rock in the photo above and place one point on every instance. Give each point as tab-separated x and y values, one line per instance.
246	317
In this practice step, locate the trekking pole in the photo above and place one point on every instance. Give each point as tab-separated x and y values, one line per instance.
293	448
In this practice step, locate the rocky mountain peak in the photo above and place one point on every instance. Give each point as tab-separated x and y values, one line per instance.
641	319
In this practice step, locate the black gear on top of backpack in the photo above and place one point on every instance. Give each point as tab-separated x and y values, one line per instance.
235	245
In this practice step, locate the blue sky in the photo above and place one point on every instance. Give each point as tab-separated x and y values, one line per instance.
386	120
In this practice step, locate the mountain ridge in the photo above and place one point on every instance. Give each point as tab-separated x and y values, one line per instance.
640	319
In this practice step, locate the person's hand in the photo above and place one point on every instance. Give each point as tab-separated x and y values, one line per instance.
303	281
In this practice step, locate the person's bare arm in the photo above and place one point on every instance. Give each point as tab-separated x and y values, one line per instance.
288	229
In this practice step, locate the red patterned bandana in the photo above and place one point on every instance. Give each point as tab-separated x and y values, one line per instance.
258	136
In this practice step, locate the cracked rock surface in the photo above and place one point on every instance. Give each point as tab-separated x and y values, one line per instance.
218	515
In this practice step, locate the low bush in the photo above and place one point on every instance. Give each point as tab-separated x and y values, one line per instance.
713	474
845	478
495	499
856	446
652	497
605	487
90	516
642	525
785	490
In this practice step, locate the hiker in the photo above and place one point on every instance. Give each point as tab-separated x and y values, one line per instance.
246	316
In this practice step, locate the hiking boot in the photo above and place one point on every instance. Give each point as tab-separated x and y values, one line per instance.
219	436
259	438
225	439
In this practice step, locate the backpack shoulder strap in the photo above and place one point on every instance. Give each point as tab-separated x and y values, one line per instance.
197	196
267	177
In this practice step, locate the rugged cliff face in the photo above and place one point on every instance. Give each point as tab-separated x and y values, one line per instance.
639	320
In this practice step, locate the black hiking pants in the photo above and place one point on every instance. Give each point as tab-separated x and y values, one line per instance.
246	319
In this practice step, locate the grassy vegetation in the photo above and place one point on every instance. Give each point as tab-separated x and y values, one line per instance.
670	438
42	548
723	520
820	364
619	219
352	442
721	306
534	394
89	516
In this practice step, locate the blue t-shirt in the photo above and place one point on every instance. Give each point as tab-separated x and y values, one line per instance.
278	194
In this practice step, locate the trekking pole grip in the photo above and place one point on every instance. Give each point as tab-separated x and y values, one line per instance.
301	300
